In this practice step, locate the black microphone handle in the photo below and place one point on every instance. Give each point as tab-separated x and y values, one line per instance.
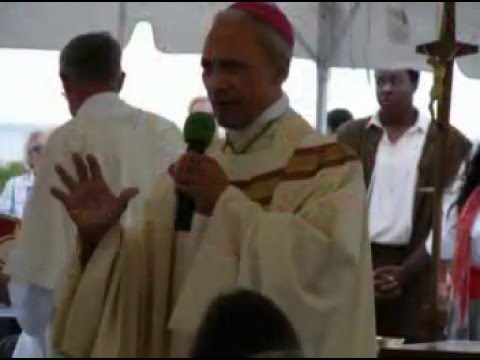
185	204
185	210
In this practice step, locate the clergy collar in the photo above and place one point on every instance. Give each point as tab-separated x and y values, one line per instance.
240	138
422	124
97	102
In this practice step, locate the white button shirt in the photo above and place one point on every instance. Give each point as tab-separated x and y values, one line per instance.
393	186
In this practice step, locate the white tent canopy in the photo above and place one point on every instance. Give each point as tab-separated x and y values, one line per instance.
345	34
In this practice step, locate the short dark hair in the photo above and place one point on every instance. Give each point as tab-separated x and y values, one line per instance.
414	76
337	118
243	324
91	57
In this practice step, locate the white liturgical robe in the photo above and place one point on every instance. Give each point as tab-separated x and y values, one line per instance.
292	225
133	146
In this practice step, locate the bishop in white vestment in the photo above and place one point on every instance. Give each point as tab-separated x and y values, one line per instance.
280	210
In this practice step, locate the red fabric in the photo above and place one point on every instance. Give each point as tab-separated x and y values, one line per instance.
171	170
8	225
475	283
461	265
270	14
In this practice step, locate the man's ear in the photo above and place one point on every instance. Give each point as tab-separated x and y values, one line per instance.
280	75
116	84
121	81
67	85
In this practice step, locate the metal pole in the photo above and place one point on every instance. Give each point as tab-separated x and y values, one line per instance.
323	74
122	22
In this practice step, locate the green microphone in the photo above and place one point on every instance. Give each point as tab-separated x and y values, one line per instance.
198	133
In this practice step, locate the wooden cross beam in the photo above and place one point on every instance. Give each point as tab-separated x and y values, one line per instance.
441	55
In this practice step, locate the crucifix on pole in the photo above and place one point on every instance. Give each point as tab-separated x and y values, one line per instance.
441	55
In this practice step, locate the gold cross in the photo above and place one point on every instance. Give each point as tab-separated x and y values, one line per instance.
441	56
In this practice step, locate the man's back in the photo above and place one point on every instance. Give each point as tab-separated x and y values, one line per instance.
133	147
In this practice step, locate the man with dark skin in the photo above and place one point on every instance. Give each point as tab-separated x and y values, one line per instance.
396	147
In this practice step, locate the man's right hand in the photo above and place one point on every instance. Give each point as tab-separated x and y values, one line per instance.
89	202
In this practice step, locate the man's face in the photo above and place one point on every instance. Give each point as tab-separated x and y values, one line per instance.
240	79
395	90
35	150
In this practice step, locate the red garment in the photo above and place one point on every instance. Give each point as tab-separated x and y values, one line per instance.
475	283
463	274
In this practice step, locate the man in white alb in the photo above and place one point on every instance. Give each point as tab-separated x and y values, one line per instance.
134	147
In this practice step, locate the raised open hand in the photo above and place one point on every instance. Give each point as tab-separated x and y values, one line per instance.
89	202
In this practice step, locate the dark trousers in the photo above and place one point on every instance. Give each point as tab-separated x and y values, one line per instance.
404	316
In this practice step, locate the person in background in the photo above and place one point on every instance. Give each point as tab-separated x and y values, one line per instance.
397	149
13	200
244	324
17	190
337	118
134	146
460	254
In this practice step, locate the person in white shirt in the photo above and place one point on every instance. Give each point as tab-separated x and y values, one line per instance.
13	200
134	147
397	148
16	191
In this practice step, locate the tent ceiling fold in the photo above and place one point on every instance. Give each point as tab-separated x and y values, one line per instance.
379	34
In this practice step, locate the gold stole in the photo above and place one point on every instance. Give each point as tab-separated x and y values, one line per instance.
305	163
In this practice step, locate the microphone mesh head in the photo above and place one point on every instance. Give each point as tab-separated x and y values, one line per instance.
199	129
